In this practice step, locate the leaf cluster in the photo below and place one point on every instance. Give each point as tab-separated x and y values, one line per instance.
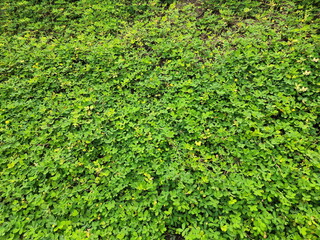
159	119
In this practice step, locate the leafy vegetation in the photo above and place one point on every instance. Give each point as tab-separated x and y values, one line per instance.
159	119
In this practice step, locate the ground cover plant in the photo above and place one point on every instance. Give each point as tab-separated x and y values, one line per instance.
159	119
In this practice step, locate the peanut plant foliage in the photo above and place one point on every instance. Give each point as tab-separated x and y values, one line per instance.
159	119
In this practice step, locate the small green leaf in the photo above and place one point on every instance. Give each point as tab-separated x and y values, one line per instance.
74	213
224	228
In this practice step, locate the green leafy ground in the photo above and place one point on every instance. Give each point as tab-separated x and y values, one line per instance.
159	119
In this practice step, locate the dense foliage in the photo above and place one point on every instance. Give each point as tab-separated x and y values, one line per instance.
159	119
